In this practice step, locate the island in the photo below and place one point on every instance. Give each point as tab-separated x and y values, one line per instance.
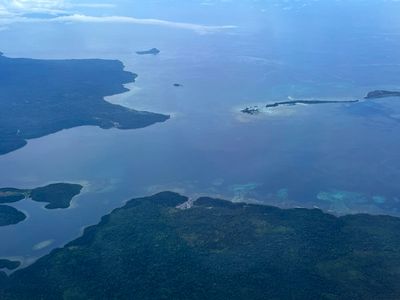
57	195
308	102
10	215
381	94
152	51
157	248
10	195
9	264
252	110
40	97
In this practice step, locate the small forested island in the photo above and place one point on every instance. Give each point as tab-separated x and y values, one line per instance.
382	94
40	97
251	110
153	249
57	195
10	215
9	264
152	51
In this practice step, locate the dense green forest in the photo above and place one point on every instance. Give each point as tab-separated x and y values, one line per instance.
57	195
152	249
39	97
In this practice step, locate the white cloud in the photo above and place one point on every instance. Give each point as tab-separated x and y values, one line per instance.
55	6
199	28
21	5
17	7
92	5
14	11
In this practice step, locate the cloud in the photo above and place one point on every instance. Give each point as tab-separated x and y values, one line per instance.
49	6
17	7
92	5
19	11
24	5
199	28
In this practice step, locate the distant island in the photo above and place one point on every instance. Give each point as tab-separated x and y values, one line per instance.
153	249
57	195
381	94
252	110
9	264
40	97
152	51
308	102
10	215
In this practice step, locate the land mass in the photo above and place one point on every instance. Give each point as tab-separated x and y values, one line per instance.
152	249
40	97
57	195
10	215
9	264
10	195
382	94
308	102
152	51
252	110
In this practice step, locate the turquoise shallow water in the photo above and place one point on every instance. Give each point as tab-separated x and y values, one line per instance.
341	158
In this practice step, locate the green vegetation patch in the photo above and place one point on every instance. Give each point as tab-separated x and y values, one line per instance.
58	195
40	97
10	195
10	216
9	264
150	249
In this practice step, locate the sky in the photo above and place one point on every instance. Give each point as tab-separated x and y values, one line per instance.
64	11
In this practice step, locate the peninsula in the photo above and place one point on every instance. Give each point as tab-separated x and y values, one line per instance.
40	97
153	249
9	264
10	215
